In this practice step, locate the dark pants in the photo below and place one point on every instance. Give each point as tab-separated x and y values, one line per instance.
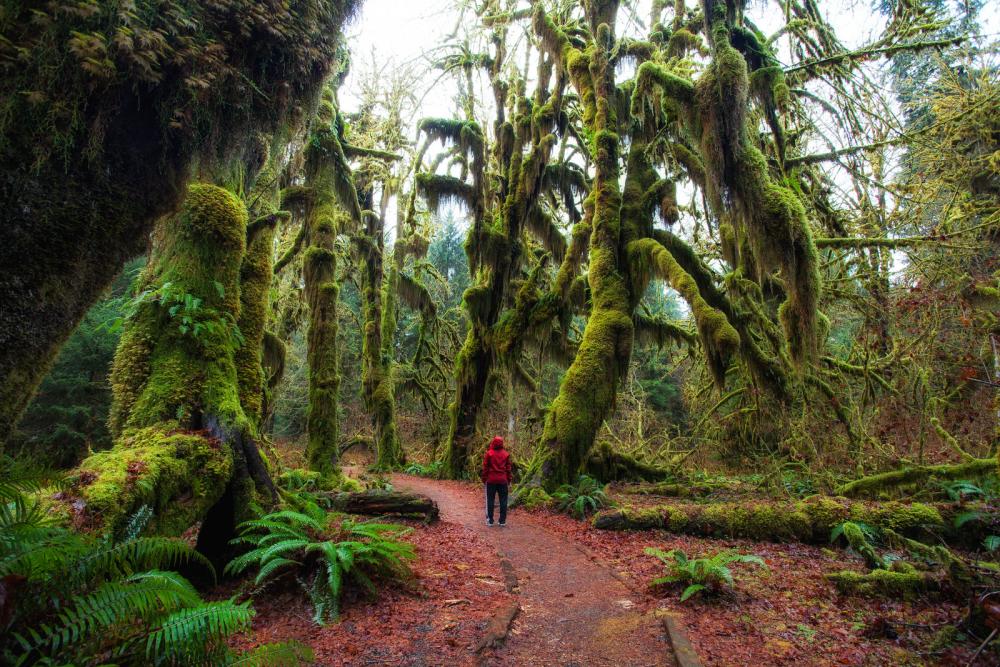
491	493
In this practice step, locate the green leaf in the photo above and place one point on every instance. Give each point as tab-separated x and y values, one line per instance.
691	590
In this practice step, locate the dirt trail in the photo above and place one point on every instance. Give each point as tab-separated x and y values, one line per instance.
573	610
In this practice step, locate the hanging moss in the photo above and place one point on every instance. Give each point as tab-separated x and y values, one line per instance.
719	338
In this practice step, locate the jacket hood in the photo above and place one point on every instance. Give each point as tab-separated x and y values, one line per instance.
497	443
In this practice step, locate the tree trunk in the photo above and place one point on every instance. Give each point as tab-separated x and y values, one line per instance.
87	170
319	267
376	352
184	444
587	392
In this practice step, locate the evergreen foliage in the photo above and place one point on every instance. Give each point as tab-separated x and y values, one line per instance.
710	574
323	551
72	598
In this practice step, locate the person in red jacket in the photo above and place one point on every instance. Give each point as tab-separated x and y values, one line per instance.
497	475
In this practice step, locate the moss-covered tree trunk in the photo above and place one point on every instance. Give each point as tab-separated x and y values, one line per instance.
377	353
96	154
184	444
587	392
319	268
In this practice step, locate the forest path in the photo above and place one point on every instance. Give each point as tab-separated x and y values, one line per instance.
573	611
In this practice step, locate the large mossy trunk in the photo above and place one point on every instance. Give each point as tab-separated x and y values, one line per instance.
587	392
184	444
95	148
472	370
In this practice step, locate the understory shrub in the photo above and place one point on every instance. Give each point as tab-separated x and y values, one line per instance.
429	470
72	599
322	551
580	499
710	574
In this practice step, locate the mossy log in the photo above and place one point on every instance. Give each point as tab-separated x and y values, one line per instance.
809	520
902	582
873	484
385	503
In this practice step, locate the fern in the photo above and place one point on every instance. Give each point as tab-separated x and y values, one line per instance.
429	470
580	499
322	555
710	574
82	600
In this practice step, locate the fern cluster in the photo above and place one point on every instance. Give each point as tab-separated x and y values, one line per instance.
580	499
75	599
710	573
322	551
420	470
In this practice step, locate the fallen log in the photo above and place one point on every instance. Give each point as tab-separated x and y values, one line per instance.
809	520
385	503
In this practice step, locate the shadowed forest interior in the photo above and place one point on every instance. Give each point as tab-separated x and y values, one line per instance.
723	275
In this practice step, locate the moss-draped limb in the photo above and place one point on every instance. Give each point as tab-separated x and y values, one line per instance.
718	337
183	440
770	219
120	127
874	484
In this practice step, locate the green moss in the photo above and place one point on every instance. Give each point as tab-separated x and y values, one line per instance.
908	519
536	497
179	475
165	368
754	520
907	584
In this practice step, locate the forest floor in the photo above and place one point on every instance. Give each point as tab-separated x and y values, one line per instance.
582	597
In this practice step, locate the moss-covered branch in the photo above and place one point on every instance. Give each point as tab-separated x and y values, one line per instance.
874	484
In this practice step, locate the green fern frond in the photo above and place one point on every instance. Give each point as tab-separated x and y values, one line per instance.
186	633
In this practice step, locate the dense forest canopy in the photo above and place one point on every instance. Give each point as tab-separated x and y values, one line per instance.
653	243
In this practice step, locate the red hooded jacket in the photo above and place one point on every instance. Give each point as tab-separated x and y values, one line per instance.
496	464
